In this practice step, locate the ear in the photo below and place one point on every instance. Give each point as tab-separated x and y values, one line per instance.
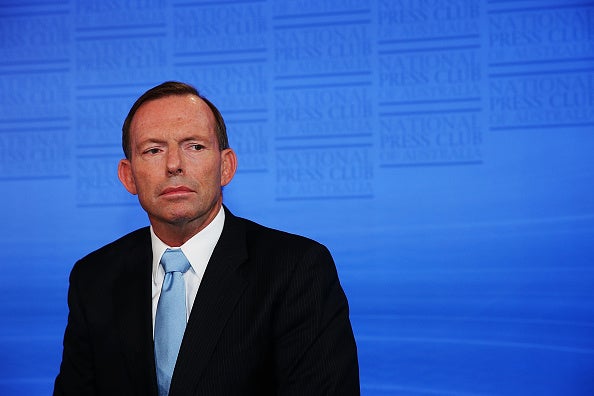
126	177
228	166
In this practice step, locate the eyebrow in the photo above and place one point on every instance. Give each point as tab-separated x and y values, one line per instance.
150	141
164	141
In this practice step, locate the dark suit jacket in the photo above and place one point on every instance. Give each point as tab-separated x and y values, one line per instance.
270	318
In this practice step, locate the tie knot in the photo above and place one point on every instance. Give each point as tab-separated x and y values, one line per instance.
174	261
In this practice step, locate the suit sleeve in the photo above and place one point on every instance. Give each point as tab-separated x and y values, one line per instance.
76	376
315	351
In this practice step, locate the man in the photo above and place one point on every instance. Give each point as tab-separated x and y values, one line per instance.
266	314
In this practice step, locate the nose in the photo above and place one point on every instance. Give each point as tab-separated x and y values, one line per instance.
174	161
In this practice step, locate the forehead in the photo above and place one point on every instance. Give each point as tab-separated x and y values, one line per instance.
171	113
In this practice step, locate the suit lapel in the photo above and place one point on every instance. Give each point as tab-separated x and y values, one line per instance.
133	312
219	291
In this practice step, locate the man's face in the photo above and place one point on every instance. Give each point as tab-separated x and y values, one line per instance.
175	165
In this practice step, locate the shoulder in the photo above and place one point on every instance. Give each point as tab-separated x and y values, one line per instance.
258	235
133	246
269	248
136	239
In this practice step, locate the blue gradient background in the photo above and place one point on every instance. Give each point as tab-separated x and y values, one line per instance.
442	150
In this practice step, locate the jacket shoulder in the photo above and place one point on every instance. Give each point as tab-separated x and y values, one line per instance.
276	246
260	234
102	261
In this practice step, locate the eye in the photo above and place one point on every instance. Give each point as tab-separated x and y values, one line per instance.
196	147
152	150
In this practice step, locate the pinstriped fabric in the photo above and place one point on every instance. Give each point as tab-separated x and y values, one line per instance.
269	318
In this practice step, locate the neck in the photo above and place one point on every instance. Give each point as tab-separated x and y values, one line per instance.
175	234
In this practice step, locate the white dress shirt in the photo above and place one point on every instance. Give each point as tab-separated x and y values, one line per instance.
197	250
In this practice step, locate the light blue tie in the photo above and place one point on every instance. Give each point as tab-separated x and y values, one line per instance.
170	319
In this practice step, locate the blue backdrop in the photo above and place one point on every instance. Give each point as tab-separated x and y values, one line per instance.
442	150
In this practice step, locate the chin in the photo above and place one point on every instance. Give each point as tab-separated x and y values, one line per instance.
180	219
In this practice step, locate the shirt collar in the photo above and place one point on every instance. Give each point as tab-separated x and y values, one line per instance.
197	249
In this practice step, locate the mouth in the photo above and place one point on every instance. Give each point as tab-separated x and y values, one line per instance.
177	190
